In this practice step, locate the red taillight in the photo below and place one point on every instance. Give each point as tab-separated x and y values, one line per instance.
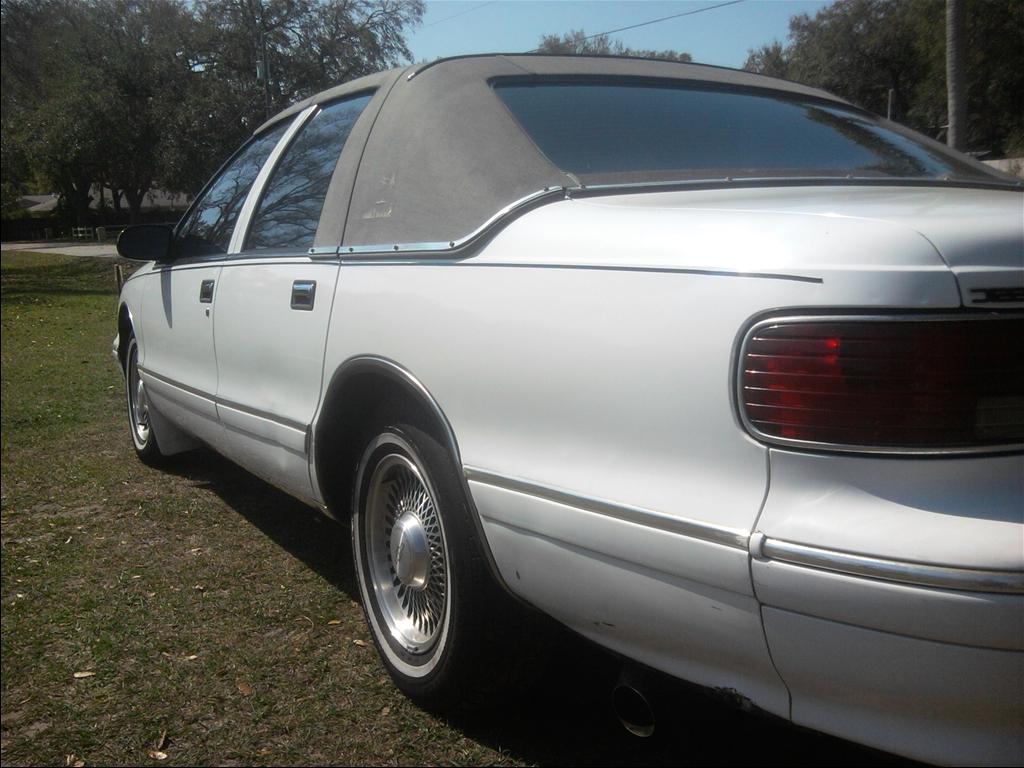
887	384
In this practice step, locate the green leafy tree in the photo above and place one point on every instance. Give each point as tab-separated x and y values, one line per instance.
578	42
50	97
135	93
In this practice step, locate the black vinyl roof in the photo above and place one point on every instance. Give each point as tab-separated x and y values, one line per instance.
445	155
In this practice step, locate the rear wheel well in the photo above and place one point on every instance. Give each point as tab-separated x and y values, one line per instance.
359	393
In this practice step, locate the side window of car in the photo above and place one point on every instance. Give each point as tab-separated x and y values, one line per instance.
211	221
289	211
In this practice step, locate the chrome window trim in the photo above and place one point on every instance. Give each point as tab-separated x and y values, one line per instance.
550	194
241	230
511	210
812	445
693	529
903	572
745	182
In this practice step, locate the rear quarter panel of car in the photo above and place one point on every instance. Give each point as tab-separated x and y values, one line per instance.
585	362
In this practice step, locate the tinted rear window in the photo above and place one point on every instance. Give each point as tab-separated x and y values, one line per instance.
637	132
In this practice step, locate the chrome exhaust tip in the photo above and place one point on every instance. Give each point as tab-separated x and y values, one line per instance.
632	705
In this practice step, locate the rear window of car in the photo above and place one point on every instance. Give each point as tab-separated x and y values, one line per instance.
655	131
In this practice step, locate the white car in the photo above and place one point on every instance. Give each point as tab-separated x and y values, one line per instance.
720	371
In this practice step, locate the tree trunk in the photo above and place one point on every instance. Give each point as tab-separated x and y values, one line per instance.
115	195
77	192
956	88
134	197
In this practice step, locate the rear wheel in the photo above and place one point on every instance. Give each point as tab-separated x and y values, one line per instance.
435	613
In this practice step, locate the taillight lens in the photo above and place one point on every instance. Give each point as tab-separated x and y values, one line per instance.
887	384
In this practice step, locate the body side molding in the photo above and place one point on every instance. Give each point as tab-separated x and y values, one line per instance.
903	572
659	520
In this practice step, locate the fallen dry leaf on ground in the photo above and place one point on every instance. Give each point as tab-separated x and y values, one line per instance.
360	643
245	689
332	622
80	675
156	754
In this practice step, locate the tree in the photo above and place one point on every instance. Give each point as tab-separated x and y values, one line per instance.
50	99
135	93
577	42
771	60
145	76
273	52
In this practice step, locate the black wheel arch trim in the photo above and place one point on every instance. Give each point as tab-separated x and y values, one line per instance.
124	317
410	383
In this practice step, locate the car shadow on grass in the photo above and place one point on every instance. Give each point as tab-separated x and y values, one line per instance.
565	717
297	528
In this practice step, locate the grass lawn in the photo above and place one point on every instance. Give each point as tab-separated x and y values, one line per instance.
198	616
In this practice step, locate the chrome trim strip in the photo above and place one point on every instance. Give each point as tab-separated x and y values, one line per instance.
296	425
178	384
548	194
811	445
693	529
513	208
732	182
323	251
587	267
256	191
245	259
903	572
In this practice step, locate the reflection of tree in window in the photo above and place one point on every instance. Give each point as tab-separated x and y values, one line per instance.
209	226
897	155
889	159
289	212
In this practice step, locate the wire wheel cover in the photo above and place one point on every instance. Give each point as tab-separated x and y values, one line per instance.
406	554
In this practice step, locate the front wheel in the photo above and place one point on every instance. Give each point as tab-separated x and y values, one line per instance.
139	423
428	597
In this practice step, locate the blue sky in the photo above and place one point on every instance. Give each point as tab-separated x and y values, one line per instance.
721	36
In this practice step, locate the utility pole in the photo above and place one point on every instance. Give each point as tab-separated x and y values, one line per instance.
956	89
266	75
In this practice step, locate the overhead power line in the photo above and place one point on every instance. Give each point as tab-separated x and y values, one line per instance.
658	21
460	13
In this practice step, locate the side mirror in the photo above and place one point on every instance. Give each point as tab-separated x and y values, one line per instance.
145	242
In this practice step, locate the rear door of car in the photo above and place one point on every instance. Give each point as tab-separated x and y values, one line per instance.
276	293
178	303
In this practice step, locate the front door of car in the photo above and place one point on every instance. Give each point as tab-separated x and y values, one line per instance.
179	298
275	300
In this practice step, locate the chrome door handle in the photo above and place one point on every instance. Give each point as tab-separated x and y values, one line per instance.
303	294
206	292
